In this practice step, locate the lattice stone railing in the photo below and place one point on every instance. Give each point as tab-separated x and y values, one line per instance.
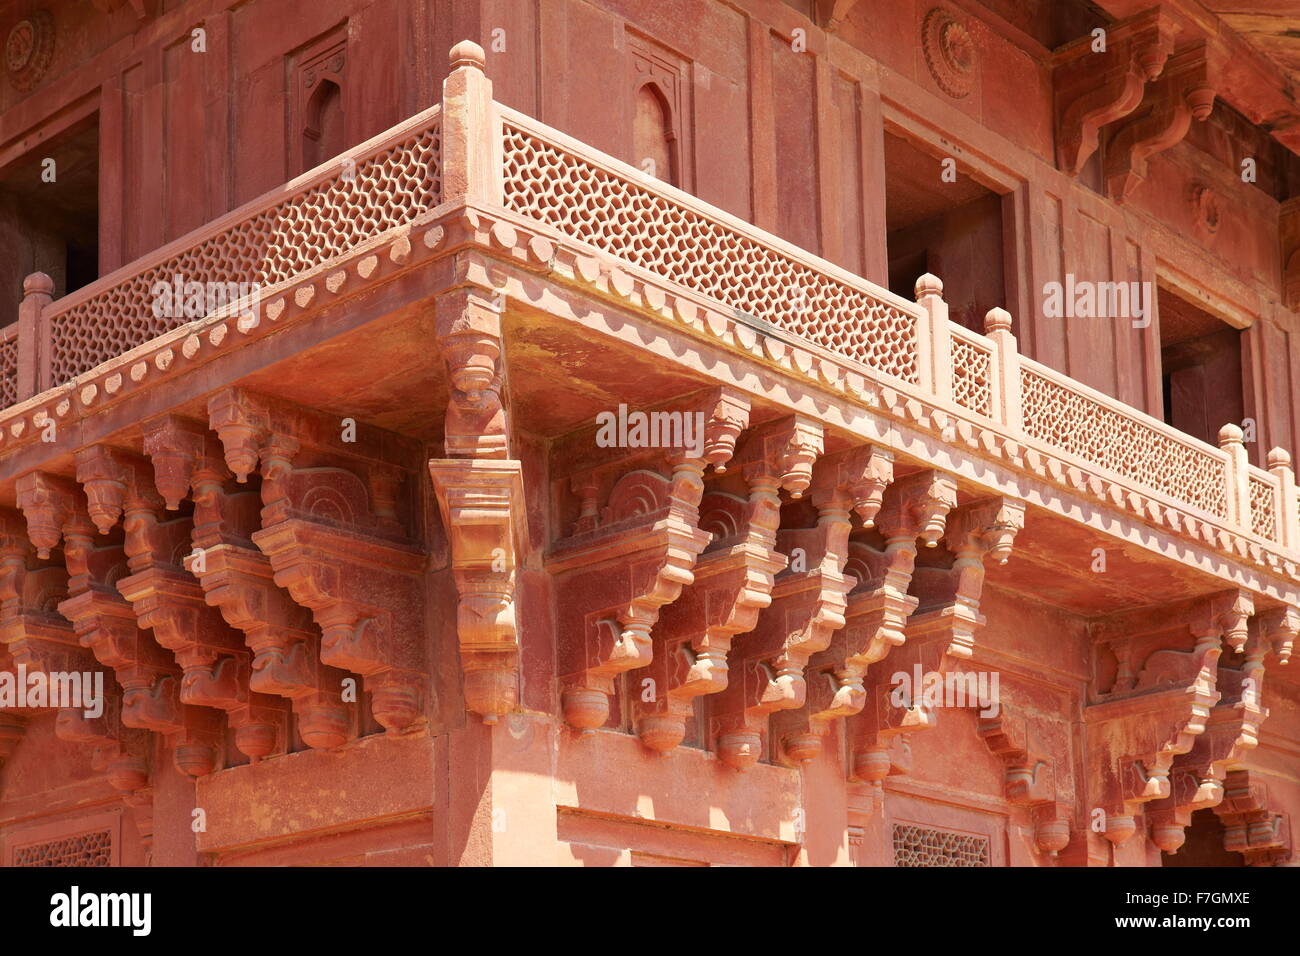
8	365
499	157
626	214
1099	431
972	371
302	226
1263	506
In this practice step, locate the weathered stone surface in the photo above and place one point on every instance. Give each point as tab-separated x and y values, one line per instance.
890	401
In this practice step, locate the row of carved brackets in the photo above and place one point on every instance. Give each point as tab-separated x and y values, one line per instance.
266	610
1251	827
1139	89
616	571
36	637
1176	723
935	636
809	605
661	582
332	530
283	660
732	586
653	598
214	618
57	514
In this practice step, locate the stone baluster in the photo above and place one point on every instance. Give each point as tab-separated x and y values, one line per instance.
472	161
934	339
1236	474
1005	373
1286	506
34	335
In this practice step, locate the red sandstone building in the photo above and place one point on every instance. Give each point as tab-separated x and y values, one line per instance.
698	432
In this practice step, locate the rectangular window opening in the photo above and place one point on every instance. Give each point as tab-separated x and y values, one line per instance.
49	215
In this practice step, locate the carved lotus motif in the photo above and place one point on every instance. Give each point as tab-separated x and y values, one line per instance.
28	49
949	52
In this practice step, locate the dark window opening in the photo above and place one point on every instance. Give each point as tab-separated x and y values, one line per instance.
951	229
49	215
1200	362
1203	845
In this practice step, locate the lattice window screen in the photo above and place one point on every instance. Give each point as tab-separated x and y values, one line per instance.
85	849
923	846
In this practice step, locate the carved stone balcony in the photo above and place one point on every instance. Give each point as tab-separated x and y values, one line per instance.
549	205
475	246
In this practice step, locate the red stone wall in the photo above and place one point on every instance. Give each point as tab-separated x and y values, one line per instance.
793	142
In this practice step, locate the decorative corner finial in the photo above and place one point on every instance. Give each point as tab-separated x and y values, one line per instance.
997	320
1230	434
38	282
929	284
467	53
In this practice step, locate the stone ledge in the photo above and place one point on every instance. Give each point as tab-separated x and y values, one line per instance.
374	779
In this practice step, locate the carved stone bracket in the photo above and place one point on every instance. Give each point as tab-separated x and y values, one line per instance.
1251	828
984	530
1030	778
469	333
238	579
1279	626
733	583
940	635
1160	702
622	566
1010	736
808	606
331	531
119	751
481	496
106	624
169	601
32	632
482	505
1231	730
1094	87
1183	93
878	607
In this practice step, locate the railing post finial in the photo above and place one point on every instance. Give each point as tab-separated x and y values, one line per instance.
467	53
997	320
38	283
928	285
